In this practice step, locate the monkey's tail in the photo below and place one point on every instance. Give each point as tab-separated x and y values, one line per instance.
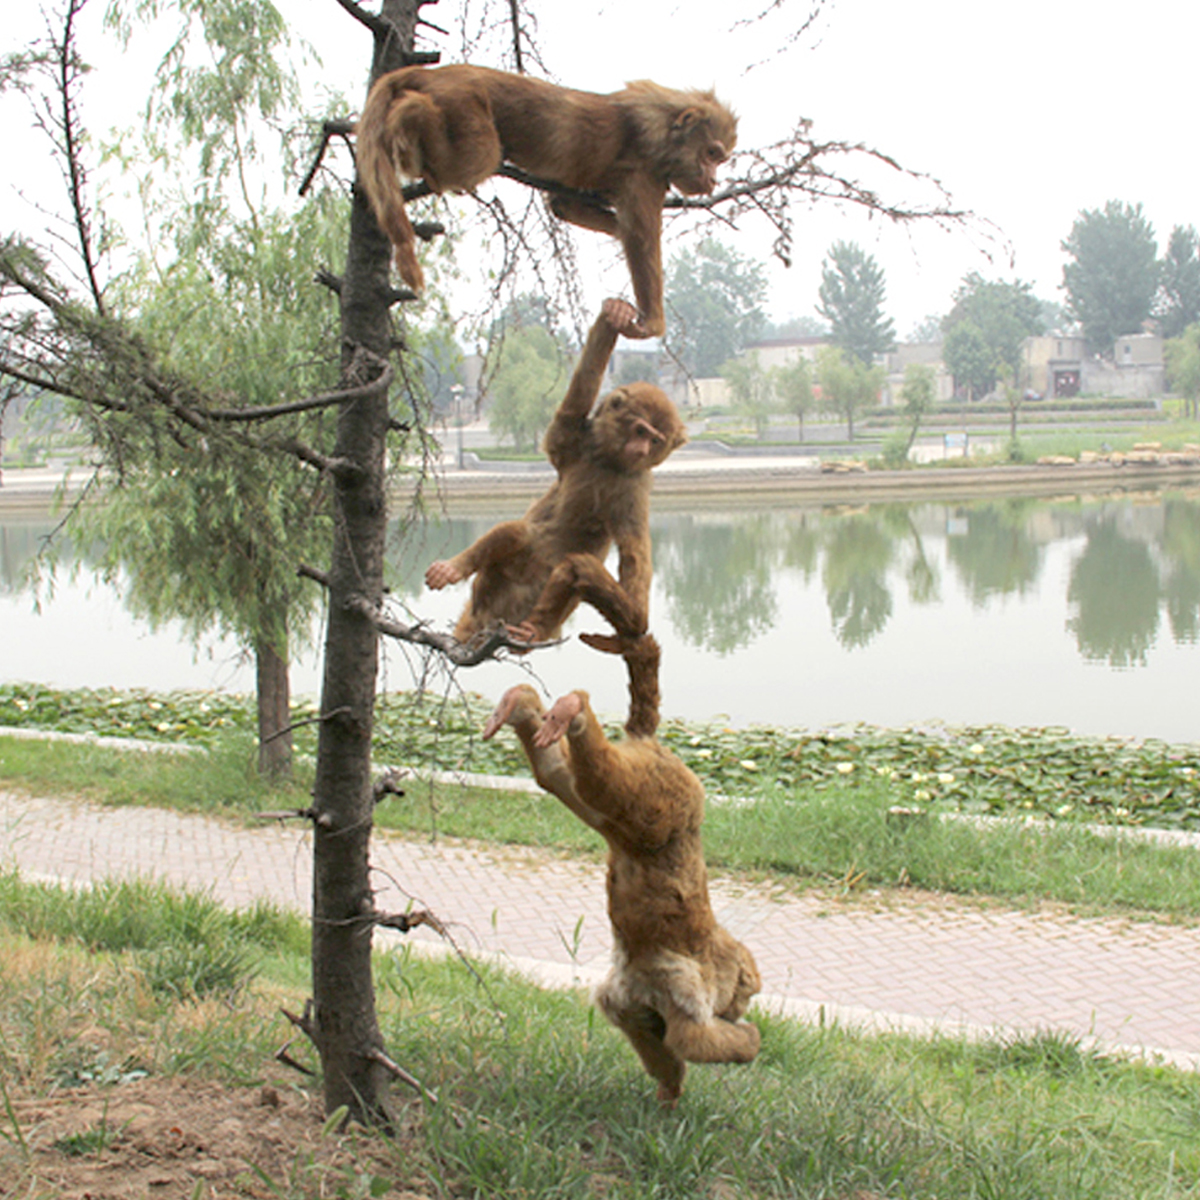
381	151
641	661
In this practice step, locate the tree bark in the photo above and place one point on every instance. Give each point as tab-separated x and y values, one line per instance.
274	710
342	1020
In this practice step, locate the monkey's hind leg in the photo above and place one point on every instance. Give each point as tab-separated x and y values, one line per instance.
645	1030
713	1041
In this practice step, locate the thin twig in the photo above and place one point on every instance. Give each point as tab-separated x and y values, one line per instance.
401	1074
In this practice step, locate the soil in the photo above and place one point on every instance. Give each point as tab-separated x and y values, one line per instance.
191	1140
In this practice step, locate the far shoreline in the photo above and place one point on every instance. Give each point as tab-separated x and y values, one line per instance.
714	479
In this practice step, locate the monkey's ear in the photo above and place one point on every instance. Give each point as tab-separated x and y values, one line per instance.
686	120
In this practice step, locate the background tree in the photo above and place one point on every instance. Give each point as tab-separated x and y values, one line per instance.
1182	356
916	396
852	291
527	385
804	326
714	305
1112	278
969	359
793	386
217	542
1179	282
750	387
928	329
847	385
1001	316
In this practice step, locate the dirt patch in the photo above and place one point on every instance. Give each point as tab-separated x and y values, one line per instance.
179	1138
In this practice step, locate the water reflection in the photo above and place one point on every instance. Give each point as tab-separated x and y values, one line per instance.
1181	545
994	551
1111	620
1014	611
718	578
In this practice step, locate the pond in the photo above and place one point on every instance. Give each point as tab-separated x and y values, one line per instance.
1081	612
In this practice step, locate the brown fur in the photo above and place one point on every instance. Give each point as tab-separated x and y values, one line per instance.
531	573
454	125
679	983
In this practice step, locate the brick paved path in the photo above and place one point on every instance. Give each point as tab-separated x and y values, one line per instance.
931	965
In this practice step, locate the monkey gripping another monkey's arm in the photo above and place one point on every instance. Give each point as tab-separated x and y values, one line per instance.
564	438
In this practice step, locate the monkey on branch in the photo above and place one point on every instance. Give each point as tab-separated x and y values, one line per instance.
617	154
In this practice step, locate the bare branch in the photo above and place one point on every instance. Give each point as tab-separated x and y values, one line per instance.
68	72
376	24
401	1074
313	573
282	1055
461	654
406	921
329	130
363	359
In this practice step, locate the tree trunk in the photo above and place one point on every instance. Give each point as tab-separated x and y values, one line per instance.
343	1020
274	709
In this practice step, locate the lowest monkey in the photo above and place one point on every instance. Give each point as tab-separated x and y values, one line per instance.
680	983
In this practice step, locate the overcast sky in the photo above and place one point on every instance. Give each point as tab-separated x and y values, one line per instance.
1027	112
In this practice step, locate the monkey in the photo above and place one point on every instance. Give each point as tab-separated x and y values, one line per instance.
454	125
680	983
531	573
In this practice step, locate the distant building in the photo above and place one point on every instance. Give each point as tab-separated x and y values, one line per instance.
927	354
1060	367
782	352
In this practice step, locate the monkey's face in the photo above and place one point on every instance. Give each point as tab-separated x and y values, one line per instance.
704	138
636	427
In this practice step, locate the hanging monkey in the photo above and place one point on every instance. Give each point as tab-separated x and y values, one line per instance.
680	984
531	573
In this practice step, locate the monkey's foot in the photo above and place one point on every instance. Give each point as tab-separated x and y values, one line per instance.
440	575
514	703
561	713
525	632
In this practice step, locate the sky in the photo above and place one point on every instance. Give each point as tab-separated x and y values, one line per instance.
1027	113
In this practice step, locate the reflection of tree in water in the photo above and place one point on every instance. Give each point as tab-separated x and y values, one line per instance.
997	555
19	545
1181	548
857	554
920	571
718	579
1115	592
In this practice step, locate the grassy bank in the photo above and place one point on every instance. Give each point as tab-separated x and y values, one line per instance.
536	1096
796	808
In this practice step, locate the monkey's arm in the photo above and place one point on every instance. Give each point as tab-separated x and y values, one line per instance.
521	707
639	213
565	437
635	785
504	541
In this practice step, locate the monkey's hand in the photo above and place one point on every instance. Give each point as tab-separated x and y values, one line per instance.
516	698
623	317
560	715
440	575
525	632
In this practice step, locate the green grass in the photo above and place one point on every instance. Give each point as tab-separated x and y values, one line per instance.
540	1098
